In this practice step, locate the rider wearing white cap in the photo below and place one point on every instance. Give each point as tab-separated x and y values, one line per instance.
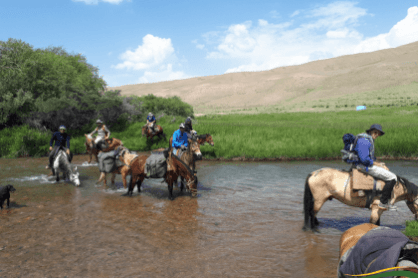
103	133
61	139
180	139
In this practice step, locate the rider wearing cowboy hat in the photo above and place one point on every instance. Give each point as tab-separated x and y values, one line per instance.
180	139
61	138
365	150
103	133
151	122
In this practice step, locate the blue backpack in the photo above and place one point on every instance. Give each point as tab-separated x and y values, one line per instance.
349	155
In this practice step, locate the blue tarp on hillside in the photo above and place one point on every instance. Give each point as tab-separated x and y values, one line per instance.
361	108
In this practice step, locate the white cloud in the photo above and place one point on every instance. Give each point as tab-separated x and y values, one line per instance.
295	13
164	74
274	14
95	2
153	52
331	31
200	46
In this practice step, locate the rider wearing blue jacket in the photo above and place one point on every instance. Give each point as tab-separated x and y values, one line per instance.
180	139
365	152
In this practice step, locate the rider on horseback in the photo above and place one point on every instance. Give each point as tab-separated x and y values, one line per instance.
60	137
188	127
365	151
180	139
151	122
103	133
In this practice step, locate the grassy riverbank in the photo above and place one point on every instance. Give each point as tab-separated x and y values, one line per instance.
281	136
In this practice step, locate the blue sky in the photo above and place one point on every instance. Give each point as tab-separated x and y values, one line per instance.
141	41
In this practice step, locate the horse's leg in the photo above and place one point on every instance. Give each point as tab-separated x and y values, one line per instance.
139	182
113	179
181	184
170	189
375	215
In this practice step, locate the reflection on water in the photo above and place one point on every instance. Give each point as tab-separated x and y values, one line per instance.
246	222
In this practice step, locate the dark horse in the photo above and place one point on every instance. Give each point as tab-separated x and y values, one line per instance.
326	184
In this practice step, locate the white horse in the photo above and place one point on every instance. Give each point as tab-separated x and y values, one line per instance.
61	163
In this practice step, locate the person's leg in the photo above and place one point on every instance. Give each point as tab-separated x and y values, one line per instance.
52	154
390	180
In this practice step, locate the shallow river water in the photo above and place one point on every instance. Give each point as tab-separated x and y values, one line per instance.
245	222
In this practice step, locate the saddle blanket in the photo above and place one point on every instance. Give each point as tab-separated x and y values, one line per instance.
378	249
156	165
362	181
108	162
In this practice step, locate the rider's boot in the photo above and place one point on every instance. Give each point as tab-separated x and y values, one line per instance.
386	195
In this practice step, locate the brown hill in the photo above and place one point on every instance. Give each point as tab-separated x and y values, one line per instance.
285	87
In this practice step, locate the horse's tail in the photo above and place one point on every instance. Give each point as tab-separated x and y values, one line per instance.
308	205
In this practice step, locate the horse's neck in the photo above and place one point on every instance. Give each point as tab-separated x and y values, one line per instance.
64	162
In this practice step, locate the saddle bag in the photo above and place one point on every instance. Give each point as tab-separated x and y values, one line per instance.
156	165
108	162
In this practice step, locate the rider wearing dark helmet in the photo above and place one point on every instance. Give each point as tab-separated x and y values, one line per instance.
61	139
188	127
365	150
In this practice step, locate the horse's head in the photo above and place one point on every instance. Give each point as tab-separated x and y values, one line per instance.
194	147
210	140
144	129
74	177
411	195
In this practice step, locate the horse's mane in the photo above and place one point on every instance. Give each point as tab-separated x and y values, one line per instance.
203	136
411	188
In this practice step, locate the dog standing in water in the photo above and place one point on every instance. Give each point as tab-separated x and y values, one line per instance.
5	194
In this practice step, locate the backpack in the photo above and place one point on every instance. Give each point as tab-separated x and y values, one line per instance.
349	155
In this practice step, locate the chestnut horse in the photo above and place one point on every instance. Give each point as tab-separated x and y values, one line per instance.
127	158
111	144
350	238
325	184
158	132
175	168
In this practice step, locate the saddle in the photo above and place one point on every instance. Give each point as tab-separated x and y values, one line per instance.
64	149
364	181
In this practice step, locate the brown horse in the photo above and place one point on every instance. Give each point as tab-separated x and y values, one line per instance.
325	184
350	238
175	168
158	132
111	144
130	160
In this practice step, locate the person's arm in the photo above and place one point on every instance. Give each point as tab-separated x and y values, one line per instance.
68	141
52	140
108	131
363	152
176	143
94	131
186	144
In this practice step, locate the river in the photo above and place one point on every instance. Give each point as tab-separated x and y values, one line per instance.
245	222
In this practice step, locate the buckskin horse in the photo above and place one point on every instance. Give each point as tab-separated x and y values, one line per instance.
351	237
111	144
326	184
128	159
61	162
175	168
158	132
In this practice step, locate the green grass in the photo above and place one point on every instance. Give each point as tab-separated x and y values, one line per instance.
411	228
289	135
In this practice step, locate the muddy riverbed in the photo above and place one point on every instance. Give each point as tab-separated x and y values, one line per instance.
245	222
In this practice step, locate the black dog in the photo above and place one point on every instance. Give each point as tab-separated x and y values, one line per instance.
5	194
